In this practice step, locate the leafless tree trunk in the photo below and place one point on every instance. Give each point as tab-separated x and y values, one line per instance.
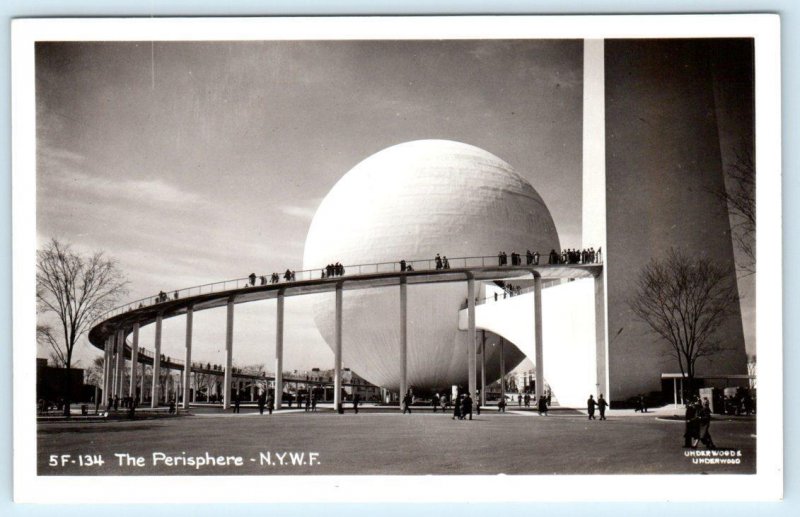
685	300
78	289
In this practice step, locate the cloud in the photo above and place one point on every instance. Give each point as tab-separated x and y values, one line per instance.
64	171
304	211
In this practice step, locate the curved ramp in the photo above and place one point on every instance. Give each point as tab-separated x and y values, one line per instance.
568	335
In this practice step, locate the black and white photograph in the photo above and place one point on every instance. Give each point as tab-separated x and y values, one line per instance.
455	251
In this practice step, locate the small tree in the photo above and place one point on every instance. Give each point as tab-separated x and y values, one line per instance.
685	300
78	289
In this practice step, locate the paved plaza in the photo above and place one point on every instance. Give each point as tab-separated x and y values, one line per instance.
386	442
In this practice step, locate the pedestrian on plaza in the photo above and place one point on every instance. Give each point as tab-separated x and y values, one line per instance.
478	403
501	406
590	405
407	401
457	408
262	401
236	401
602	405
252	278
519	400
466	407
691	434
356	400
435	401
704	422
542	405
313	398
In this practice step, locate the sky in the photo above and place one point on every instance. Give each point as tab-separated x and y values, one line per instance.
194	162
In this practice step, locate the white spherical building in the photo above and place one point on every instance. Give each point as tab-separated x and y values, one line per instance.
412	201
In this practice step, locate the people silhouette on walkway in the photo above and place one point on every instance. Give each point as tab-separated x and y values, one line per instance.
590	405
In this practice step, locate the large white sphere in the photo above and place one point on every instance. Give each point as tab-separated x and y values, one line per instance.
412	201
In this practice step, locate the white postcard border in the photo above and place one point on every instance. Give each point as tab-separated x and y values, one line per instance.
766	484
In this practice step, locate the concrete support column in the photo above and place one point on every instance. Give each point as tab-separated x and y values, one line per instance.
675	391
119	367
483	368
472	338
337	352
601	337
279	353
134	361
537	323
107	356
502	368
143	388
112	389
403	338
154	391
187	359
226	400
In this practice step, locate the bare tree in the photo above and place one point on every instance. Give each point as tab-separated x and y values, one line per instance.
44	336
685	300
95	372
739	194
202	381
78	289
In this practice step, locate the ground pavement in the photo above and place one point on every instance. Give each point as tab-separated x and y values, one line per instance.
210	442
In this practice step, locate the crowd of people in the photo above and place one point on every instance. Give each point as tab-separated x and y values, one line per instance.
567	256
508	292
332	270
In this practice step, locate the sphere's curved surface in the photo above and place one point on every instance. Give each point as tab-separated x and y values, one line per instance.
412	201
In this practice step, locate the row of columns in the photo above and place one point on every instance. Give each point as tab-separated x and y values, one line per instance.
114	350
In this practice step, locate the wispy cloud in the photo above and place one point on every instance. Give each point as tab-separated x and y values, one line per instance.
304	211
66	172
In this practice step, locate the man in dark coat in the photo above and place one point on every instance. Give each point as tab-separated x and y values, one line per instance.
542	405
262	401
457	408
407	401
602	405
466	407
590	404
356	400
704	422
691	432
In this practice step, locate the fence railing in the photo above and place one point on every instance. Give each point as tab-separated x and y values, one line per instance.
289	276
